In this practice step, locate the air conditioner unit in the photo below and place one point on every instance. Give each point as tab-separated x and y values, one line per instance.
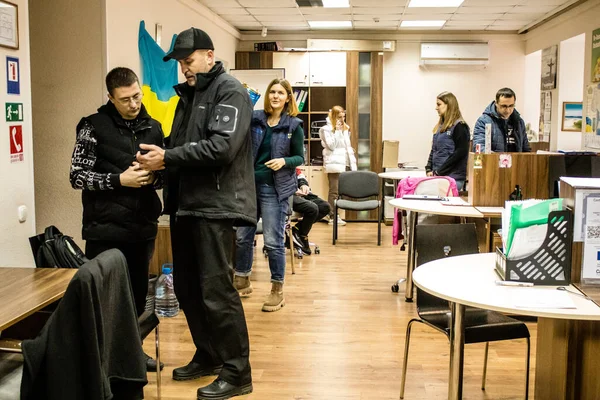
454	55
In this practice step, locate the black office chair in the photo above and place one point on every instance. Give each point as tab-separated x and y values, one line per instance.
437	241
358	185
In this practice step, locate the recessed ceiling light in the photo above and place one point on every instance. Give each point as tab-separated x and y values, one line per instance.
336	3
330	24
412	24
435	3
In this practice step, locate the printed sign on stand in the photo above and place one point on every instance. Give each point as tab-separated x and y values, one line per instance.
16	143
14	112
13	85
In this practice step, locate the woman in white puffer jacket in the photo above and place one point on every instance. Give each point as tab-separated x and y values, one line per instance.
338	154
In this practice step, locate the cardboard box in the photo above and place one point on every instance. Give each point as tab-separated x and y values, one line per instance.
390	154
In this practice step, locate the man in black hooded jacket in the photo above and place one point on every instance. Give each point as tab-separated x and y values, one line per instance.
120	204
209	190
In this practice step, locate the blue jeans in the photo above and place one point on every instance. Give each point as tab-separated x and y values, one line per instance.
274	214
460	183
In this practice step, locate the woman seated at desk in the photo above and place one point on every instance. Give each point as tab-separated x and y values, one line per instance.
450	145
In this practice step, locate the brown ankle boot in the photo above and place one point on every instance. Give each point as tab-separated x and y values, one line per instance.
243	285
275	300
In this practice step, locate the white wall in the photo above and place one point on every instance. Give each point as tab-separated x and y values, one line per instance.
532	86
17	178
409	93
570	82
88	38
123	18
580	20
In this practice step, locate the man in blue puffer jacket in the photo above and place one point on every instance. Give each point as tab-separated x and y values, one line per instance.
508	128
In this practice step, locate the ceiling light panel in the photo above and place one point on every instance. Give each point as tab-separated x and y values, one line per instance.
330	24
435	3
422	24
379	3
336	3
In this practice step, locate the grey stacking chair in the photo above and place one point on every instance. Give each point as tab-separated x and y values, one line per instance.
358	186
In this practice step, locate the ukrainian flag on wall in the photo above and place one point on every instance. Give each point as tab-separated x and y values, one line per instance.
158	79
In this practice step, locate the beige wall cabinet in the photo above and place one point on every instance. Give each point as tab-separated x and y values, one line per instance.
296	65
317	179
327	68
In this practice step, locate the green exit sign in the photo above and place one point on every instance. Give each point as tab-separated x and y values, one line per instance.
14	112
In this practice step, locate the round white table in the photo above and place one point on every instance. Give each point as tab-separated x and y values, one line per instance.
470	281
429	207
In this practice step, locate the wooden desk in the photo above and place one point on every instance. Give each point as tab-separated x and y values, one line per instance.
568	341
23	291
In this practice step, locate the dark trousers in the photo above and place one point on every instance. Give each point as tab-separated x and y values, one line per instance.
202	251
312	209
138	255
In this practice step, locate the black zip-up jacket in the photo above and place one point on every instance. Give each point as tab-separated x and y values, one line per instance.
107	143
210	173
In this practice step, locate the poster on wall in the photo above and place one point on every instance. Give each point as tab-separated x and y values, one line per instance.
591	137
596	55
15	138
549	65
545	116
13	83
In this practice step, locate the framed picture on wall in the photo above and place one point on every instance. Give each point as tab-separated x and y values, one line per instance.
9	25
572	116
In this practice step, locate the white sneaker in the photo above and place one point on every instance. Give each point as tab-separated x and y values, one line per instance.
340	221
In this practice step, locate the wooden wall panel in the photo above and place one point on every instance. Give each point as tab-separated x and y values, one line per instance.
162	249
376	111
352	96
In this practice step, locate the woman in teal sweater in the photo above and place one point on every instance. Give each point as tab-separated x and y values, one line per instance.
278	145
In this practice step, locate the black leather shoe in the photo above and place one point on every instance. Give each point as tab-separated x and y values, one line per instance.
221	390
301	241
194	370
151	364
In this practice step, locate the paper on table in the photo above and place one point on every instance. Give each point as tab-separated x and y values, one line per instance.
541	298
527	241
454	201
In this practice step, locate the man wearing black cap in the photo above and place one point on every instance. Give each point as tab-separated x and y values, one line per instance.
209	189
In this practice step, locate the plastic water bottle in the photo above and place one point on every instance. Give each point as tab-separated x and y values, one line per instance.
166	304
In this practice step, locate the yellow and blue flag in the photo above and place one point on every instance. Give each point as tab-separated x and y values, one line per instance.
158	79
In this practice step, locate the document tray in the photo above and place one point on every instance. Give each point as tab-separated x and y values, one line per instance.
551	263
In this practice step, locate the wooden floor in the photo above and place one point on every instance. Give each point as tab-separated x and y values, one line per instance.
341	334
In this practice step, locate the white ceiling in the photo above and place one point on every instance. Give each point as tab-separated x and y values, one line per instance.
385	15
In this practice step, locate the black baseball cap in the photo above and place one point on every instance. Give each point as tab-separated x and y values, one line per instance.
187	42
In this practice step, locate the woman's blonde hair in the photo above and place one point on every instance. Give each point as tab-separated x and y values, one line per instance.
334	114
452	114
290	107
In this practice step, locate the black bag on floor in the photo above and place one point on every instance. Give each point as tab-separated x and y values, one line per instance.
52	249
